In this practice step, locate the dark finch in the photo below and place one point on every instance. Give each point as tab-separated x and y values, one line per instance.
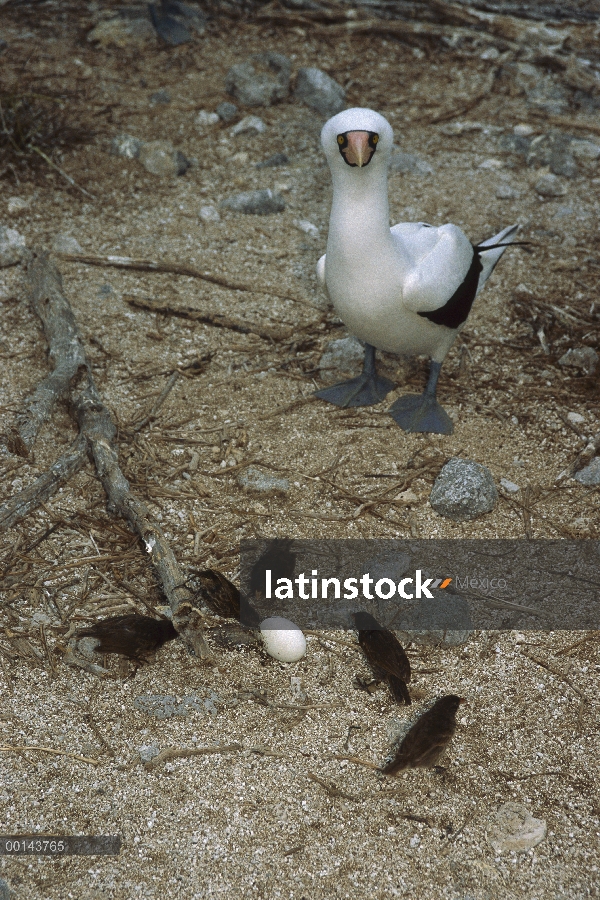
136	637
385	655
218	593
428	738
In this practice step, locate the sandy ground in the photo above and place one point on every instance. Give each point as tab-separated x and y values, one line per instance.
252	822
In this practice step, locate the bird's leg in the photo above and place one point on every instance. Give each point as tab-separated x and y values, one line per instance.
422	412
366	389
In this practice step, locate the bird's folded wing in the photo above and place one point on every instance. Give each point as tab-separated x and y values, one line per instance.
438	274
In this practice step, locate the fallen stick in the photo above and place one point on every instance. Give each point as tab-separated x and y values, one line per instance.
98	431
174	753
220	320
85	759
65	349
20	505
171	268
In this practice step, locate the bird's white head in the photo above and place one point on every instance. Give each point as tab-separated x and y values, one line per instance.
357	138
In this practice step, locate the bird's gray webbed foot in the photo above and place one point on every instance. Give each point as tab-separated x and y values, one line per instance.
367	389
421	412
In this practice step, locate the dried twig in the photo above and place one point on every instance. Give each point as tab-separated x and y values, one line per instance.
149	265
175	753
356	760
65	349
558	674
332	789
20	749
219	320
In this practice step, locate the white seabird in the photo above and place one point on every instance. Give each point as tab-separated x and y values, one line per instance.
406	289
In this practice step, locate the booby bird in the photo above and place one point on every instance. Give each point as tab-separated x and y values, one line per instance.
406	289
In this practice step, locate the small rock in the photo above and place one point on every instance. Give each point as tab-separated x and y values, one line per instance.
550	186
160	158
227	112
463	490
553	150
66	243
105	290
491	163
506	191
454	129
514	828
320	92
263	87
409	164
174	26
590	474
341	357
258	482
205	120
161	96
515	143
126	145
12	247
524	130
278	159
509	486
148	752
209	214
583	358
585	150
249	123
255	203
122	32
163	706
17	205
307	227
576	418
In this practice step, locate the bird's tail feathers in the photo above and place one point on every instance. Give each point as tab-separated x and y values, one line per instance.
490	251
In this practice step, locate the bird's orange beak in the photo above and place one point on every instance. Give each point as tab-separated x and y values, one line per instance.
358	150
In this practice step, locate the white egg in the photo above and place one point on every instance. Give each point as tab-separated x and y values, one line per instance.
282	639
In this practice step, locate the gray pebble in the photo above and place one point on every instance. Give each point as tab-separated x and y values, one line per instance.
316	89
342	357
12	247
258	482
515	143
247	124
160	158
463	490
506	191
148	752
66	243
161	96
409	164
553	150
513	828
164	706
204	121
105	290
550	186
227	112
509	486
590	474
126	145
583	358
209	214
585	150
278	159
123	32
260	81
255	203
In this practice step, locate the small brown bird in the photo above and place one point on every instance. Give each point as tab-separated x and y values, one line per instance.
134	636
217	592
428	738
385	655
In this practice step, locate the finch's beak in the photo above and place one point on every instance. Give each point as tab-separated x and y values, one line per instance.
358	151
